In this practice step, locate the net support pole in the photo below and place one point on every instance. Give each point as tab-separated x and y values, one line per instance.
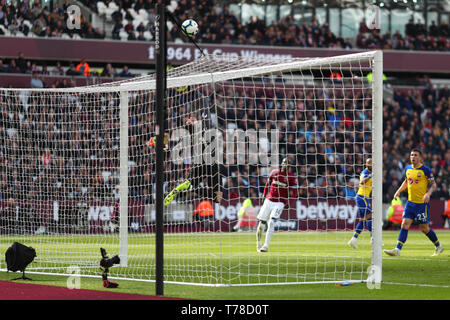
377	166
160	50
123	180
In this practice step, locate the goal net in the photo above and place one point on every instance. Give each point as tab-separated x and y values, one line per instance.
78	171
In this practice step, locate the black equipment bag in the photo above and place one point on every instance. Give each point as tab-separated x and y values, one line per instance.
18	257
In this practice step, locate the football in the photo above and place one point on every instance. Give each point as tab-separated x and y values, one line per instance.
190	27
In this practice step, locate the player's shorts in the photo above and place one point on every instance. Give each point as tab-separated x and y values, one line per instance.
419	212
364	206
269	210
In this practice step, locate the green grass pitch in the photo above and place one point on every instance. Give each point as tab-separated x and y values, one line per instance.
231	258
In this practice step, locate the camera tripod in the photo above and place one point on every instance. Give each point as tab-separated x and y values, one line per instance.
105	264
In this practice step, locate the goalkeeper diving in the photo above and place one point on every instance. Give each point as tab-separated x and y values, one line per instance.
200	179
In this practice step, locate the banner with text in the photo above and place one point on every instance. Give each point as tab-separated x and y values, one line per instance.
97	216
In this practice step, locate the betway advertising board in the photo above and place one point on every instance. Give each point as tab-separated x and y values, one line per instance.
93	217
302	214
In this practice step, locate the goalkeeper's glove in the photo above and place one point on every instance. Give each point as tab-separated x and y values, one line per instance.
181	187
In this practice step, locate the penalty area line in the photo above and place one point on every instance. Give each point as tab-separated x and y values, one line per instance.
418	284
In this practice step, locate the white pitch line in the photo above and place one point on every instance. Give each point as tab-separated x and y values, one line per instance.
418	284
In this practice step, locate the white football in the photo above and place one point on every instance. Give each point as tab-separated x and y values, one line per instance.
190	27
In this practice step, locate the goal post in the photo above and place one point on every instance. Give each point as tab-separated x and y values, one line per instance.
123	180
80	169
377	150
244	71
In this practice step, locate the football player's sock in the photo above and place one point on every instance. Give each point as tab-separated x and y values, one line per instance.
359	228
259	232
270	231
369	225
402	238
433	238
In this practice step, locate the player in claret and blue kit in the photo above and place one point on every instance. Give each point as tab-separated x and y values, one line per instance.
276	198
417	208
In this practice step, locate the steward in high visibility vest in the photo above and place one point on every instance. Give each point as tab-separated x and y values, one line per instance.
204	209
83	68
446	214
394	215
204	213
447	208
246	205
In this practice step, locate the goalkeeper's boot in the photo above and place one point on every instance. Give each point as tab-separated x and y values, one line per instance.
438	251
393	252
263	249
352	243
181	187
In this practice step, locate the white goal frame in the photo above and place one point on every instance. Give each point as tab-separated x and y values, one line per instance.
375	274
376	59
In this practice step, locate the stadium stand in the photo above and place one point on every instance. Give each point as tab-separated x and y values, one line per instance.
28	19
424	121
133	20
424	111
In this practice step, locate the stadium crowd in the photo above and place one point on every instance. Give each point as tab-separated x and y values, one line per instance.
52	146
218	25
67	145
417	37
57	76
424	122
323	168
